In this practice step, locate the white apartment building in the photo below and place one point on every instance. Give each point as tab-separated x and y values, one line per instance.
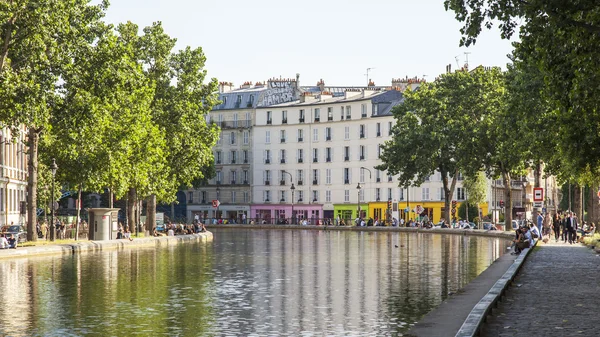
233	152
329	145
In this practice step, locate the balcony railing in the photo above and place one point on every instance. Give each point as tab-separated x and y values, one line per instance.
269	121
233	161
246	182
300	160
301	120
330	118
282	140
378	134
282	182
347	181
346	158
328	138
300	139
267	182
362	157
283	161
328	159
315	160
267	161
300	183
378	180
315	182
284	121
244	123
232	181
317	119
362	135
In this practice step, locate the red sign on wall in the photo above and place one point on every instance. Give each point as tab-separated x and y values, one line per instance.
538	194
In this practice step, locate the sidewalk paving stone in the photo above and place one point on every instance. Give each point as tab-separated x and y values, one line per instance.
556	293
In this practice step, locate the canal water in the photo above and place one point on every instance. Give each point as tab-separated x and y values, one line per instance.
244	283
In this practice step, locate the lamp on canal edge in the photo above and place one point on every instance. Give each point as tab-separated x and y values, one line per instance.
218	203
358	200
53	168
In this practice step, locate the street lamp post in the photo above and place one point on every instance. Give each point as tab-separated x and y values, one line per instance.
358	201
53	168
292	189
218	204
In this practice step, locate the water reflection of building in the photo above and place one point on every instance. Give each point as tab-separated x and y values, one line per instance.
332	282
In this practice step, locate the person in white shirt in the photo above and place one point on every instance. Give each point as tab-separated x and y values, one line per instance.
535	231
3	242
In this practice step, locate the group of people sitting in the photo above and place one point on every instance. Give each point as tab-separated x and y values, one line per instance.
181	229
524	236
11	242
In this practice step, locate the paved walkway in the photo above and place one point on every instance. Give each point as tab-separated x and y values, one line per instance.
556	293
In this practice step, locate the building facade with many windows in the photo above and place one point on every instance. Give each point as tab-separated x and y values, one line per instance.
13	180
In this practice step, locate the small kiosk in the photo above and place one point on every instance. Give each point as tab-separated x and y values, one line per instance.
103	223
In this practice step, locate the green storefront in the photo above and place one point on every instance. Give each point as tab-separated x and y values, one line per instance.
349	212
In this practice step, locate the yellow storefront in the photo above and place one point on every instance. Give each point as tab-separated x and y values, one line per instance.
433	209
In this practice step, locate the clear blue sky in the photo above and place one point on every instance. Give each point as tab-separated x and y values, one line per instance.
336	40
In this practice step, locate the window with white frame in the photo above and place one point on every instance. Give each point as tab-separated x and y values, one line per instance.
342	113
219	177
361	193
348	112
233	197
235	120
378	175
300	176
218	157
245	176
300	135
232	138
246	137
401	194
315	196
389	194
327	176
300	155
283	117
266	196
425	193
330	114
300	196
328	196
268	137
282	135
362	175
267	177
315	176
378	193
327	133
378	151
246	197
328	155
220	139
315	155
347	133
282	156
203	196
315	135
282	195
233	157
248	119
346	153
346	195
363	155
246	157
363	110
317	114
389	128
346	175
460	193
269	117
301	118
267	156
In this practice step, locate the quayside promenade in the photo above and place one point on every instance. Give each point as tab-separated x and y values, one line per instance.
556	293
95	246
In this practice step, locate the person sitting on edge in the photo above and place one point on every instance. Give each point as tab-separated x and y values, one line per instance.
3	242
518	242
203	229
535	233
12	242
170	232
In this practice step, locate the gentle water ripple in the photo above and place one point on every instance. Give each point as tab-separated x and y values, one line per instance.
245	283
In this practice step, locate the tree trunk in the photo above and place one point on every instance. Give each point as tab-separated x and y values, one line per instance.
110	198
577	201
173	212
448	191
508	201
150	214
78	214
131	196
32	143
593	206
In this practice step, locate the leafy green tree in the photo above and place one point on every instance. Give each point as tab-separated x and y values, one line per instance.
437	128
180	103
476	187
473	211
38	38
560	39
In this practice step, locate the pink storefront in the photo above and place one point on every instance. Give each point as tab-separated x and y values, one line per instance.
282	213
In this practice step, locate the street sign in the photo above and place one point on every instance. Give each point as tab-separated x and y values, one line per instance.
538	204
538	194
453	211
419	209
215	203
